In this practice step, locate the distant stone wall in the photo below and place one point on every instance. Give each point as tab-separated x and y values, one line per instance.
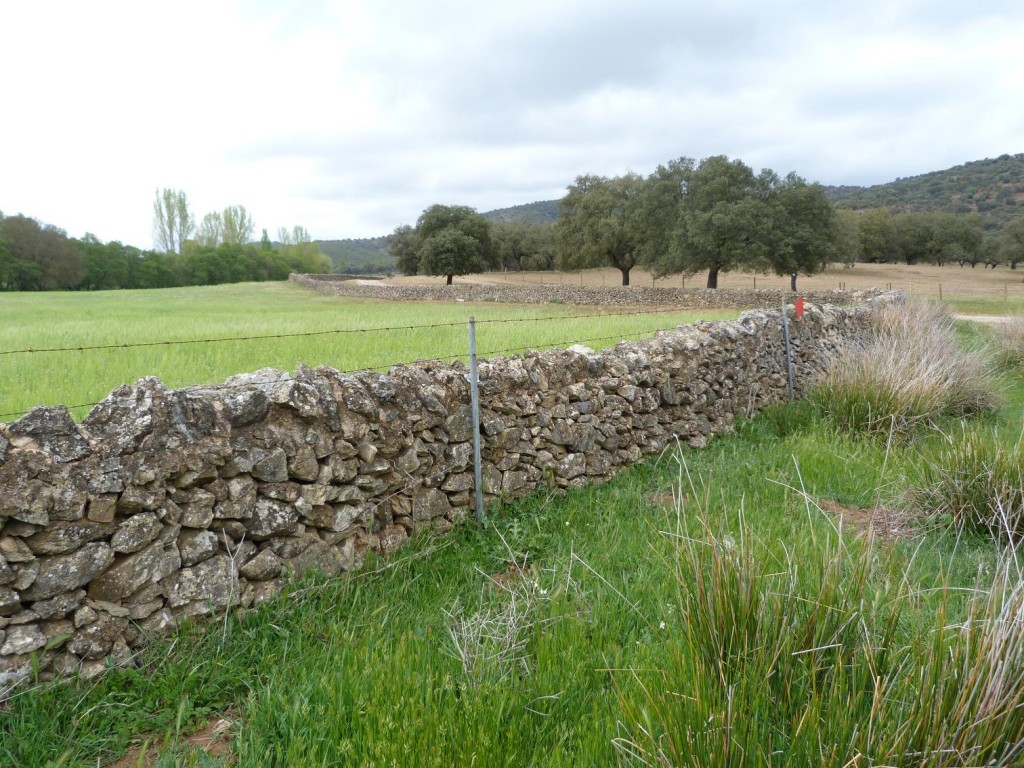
164	504
617	295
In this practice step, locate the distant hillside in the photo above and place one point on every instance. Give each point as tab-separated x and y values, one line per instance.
365	256
993	188
543	211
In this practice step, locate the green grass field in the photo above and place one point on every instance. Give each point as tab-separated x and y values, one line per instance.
47	320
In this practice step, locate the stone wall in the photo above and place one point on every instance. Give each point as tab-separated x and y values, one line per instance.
162	504
613	295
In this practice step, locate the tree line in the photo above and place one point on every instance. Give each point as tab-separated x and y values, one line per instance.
880	237
41	257
710	216
716	215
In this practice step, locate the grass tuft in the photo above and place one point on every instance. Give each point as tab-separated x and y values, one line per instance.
1008	345
914	373
973	482
787	660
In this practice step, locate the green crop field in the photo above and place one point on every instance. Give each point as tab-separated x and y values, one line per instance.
42	321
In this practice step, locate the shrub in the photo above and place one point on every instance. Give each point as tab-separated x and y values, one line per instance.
974	482
914	372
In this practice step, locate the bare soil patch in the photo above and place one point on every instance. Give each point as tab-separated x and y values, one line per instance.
214	739
879	522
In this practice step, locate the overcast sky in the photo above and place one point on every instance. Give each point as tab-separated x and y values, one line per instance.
351	117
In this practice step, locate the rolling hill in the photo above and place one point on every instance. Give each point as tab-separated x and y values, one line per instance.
992	187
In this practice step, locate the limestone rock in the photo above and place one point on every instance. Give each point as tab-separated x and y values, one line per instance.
271	518
303	465
133	572
22	639
430	503
55	432
63	573
196	546
59	606
266	565
213	582
136	532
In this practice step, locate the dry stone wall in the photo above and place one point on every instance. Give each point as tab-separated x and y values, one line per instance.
608	296
163	504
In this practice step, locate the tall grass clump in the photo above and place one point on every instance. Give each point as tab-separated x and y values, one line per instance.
1008	345
913	372
973	482
783	659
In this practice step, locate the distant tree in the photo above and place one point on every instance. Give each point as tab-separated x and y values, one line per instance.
300	252
173	222
877	236
724	220
914	235
659	205
991	253
1011	244
294	236
210	232
521	245
238	226
600	224
265	244
541	247
959	237
847	240
39	257
404	246
453	240
804	231
107	266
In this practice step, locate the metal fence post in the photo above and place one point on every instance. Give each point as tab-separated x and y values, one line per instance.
789	354
474	391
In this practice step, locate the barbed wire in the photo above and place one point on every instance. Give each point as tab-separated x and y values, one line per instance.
461	353
376	329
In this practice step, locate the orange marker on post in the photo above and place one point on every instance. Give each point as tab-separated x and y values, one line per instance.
799	307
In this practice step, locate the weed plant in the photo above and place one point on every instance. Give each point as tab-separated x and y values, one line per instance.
914	373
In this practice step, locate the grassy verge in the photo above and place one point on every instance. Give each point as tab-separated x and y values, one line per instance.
71	320
572	626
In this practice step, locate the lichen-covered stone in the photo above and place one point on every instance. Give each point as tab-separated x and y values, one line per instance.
136	532
271	518
213	582
63	573
54	431
265	565
134	571
22	639
196	546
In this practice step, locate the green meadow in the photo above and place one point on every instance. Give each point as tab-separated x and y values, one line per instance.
350	335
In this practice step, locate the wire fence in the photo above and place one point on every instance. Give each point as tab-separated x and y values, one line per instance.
381	364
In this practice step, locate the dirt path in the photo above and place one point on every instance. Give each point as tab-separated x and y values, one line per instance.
986	319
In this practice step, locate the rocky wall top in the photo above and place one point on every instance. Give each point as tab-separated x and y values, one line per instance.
163	504
695	298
